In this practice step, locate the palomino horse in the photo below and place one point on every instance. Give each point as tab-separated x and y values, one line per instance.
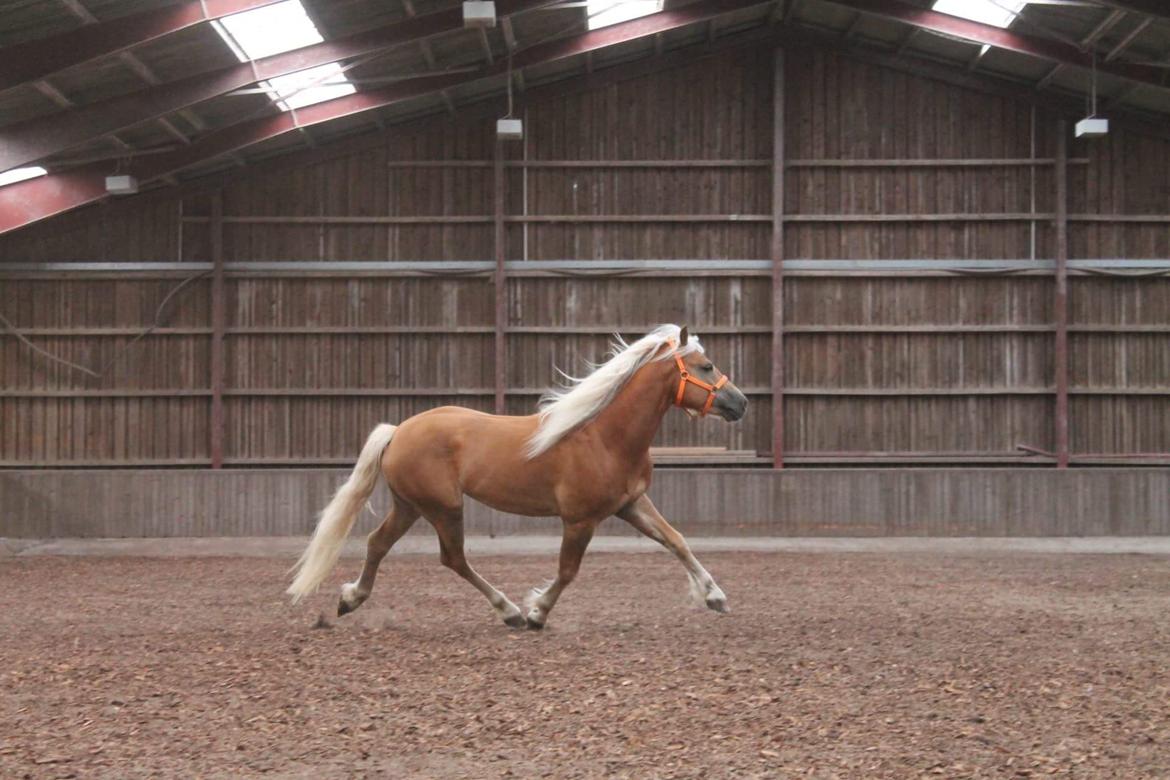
584	456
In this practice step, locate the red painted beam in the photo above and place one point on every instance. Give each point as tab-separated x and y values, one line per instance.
34	60
997	37
41	137
35	199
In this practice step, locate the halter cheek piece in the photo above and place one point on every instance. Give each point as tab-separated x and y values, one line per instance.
685	377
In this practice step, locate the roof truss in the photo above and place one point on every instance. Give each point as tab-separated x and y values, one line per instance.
29	201
43	136
28	62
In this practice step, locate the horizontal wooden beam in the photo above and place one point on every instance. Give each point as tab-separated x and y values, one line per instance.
952	162
438	392
480	219
800	458
473	270
936	329
985	162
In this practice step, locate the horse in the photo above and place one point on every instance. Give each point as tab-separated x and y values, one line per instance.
583	457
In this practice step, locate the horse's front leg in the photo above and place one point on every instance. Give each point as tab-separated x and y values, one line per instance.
643	515
574	540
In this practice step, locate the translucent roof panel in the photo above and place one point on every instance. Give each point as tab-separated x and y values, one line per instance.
995	12
603	13
281	27
20	174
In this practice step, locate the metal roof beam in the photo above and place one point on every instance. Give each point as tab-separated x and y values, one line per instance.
1128	39
25	62
35	199
41	137
1000	38
1156	8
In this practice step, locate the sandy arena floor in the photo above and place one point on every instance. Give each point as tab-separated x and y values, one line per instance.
831	665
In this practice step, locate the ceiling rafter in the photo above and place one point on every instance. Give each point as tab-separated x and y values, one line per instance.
131	61
924	20
1155	8
35	199
1105	25
41	137
28	62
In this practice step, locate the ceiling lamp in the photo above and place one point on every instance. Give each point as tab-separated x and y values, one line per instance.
1092	126
477	13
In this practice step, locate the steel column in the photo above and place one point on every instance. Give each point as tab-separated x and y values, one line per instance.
500	280
1061	303
778	258
217	331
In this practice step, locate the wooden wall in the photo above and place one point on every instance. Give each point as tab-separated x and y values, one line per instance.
881	365
995	502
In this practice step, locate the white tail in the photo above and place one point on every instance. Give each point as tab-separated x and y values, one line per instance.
337	518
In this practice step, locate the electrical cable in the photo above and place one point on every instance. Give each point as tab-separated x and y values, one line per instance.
158	316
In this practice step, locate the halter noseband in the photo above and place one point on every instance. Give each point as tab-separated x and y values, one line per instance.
685	376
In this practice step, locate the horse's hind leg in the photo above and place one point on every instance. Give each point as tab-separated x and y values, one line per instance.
449	526
397	523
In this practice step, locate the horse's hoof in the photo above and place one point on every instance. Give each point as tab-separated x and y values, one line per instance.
719	605
532	624
344	608
516	621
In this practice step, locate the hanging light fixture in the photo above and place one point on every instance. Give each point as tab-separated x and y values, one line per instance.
479	14
1092	126
509	128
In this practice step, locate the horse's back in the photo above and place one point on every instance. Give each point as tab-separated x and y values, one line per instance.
440	454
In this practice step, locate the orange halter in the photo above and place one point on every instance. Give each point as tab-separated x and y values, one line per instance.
685	376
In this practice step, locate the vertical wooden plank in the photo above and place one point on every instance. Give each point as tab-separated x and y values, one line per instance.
500	280
778	259
217	328
1061	303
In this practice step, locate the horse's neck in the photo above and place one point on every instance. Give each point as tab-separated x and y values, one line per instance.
630	422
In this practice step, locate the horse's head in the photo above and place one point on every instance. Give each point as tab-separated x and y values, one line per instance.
700	387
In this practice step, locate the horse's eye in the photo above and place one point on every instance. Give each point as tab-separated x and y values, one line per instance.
709	367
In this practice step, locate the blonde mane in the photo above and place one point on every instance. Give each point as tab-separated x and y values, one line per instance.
582	399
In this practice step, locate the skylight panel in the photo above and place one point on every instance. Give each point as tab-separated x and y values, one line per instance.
277	28
268	30
999	13
307	87
603	13
21	174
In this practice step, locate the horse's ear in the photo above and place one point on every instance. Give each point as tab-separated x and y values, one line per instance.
683	336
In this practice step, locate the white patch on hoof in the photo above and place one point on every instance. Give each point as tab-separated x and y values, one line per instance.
717	599
349	595
696	591
537	613
510	614
535	594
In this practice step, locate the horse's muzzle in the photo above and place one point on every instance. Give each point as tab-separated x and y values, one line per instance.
730	403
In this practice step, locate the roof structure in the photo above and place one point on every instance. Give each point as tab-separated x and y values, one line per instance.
158	89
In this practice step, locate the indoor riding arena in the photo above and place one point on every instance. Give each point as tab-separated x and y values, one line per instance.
294	293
